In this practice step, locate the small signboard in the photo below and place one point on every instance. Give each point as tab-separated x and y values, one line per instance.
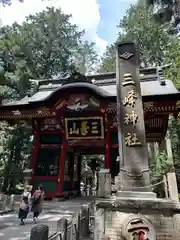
50	124
84	128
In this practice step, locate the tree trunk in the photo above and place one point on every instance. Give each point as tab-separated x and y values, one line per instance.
7	171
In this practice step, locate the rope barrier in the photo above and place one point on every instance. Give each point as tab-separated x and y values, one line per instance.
152	185
153	179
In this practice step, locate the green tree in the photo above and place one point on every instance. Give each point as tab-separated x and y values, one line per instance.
151	38
166	10
45	42
173	58
108	63
158	168
45	45
86	58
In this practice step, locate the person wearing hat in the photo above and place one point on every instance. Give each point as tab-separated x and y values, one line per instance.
25	203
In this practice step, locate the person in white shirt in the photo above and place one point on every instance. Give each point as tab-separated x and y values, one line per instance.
25	204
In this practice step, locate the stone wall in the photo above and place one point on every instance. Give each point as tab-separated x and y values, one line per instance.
176	222
164	224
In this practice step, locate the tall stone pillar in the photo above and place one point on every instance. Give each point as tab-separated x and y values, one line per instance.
134	168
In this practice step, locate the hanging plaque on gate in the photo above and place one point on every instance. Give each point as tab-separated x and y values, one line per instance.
84	128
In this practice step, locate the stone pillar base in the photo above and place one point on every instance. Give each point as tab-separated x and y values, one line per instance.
104	183
134	194
122	218
121	184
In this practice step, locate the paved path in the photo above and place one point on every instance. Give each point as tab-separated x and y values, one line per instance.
10	228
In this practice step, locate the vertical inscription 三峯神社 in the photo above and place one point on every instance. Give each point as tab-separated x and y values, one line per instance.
131	139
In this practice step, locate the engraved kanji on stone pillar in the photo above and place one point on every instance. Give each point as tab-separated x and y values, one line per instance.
134	169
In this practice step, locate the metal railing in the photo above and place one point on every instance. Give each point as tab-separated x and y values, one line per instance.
67	230
80	226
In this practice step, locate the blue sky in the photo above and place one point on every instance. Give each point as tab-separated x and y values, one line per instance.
110	17
99	18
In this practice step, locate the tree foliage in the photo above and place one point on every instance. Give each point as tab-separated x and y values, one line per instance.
151	38
159	167
16	156
166	10
108	63
85	58
43	45
172	57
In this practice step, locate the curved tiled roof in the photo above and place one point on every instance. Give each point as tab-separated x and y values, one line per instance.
103	85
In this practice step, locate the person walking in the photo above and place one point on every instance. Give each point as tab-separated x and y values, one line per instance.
24	204
37	202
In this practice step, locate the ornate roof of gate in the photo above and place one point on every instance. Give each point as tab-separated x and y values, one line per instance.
152	85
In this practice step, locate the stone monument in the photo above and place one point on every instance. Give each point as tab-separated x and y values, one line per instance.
134	213
134	169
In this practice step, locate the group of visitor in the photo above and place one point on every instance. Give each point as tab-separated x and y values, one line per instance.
31	203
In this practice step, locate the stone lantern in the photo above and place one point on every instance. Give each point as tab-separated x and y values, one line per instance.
27	176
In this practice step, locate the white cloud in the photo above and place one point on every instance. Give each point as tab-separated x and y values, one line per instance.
85	13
